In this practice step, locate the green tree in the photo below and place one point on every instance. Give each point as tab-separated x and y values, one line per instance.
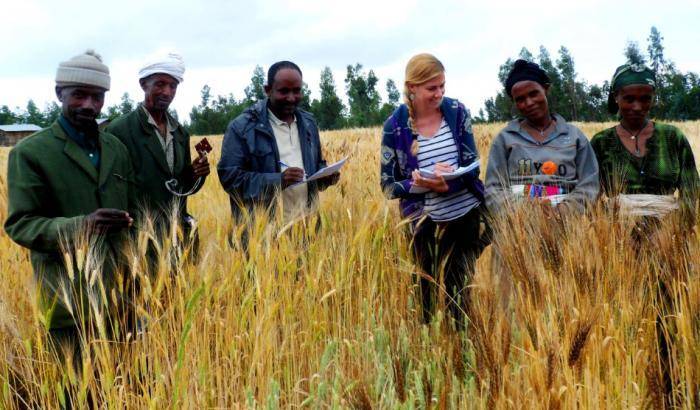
526	55
51	113
256	90
480	118
665	75
571	90
33	115
393	96
329	109
213	114
555	95
305	103
200	114
500	107
7	116
678	94
633	54
392	92
125	106
655	49
363	98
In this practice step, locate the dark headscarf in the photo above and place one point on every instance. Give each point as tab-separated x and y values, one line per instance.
526	71
629	74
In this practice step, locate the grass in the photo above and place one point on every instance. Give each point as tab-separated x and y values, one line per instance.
328	317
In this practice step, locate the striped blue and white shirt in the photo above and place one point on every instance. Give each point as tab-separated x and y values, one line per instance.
443	207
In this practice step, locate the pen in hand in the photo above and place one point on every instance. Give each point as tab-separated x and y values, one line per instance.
292	175
289	166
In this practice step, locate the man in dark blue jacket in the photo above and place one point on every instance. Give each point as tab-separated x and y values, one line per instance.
271	147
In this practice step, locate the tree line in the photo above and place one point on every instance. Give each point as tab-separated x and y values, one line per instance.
678	95
365	106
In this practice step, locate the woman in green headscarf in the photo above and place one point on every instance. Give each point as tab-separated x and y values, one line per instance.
642	164
640	156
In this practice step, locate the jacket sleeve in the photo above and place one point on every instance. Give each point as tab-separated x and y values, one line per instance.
688	181
120	131
26	223
467	139
588	185
598	152
497	177
188	180
132	199
322	185
393	182
234	173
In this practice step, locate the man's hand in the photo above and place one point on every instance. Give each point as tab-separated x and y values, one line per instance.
200	166
291	176
437	184
106	220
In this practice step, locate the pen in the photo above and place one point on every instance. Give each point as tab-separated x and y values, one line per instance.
285	165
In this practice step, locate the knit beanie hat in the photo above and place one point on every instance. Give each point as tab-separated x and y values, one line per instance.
83	69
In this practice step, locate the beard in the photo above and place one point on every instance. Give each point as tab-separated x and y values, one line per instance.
84	120
83	116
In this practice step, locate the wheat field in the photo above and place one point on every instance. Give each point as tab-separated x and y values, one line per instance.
330	317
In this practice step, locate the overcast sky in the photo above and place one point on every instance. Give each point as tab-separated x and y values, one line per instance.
222	41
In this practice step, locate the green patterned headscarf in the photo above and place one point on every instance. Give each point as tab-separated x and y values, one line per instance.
629	74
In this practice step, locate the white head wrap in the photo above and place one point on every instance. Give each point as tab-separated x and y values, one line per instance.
171	64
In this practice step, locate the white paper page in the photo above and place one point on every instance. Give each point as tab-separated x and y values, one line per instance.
324	172
427	173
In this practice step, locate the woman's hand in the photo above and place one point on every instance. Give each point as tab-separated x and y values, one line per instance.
443	168
437	184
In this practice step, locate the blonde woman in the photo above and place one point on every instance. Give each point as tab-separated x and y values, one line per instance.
425	140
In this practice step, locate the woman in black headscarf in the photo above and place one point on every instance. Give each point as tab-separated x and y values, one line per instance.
539	155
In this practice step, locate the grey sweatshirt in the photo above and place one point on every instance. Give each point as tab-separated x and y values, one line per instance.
516	159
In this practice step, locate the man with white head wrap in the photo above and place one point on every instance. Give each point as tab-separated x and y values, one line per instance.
160	146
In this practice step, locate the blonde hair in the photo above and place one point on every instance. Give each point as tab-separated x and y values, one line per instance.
420	68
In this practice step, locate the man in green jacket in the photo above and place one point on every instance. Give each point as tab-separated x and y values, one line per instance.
160	147
69	185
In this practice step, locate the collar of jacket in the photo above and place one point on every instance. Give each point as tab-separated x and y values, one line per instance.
260	118
152	143
148	130
449	108
77	154
81	138
561	128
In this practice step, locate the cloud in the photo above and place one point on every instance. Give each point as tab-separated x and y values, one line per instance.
222	41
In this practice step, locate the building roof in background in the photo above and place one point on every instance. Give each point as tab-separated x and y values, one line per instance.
19	127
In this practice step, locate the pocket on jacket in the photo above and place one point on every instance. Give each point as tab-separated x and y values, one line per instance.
120	184
263	148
